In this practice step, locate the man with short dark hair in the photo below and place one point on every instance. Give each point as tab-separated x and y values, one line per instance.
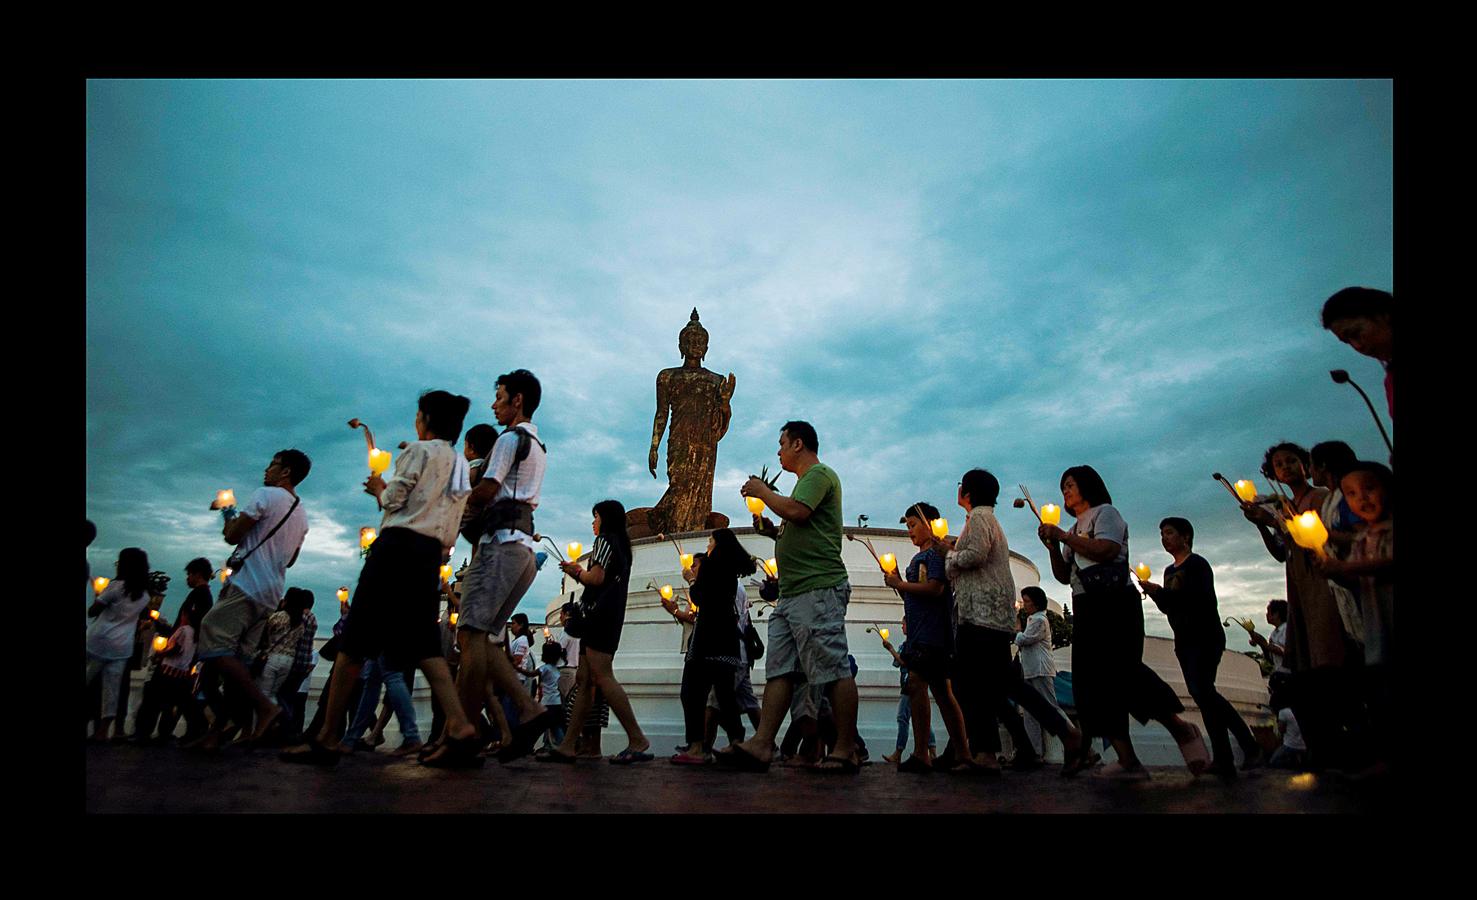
504	567
1187	598
268	532
807	630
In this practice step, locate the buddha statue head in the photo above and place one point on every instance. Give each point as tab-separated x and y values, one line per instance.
693	340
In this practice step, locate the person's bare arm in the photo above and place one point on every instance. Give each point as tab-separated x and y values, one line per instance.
237	528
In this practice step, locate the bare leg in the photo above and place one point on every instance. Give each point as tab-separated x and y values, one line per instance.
953	718
581	708
615	695
776	703
238	678
921	713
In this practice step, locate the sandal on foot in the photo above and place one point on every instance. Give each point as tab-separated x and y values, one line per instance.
628	756
741	760
682	759
912	764
315	755
839	765
456	754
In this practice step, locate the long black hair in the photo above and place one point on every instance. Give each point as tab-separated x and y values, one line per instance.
133	571
296	602
720	572
613	526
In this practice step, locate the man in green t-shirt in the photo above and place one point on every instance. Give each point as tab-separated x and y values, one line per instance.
807	631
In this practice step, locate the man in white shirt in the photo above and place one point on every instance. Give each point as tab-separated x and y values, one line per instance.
268	531
505	565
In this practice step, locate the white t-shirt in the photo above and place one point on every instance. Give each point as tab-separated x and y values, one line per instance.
519	649
1103	523
110	635
264	576
548	679
525	484
1279	637
571	647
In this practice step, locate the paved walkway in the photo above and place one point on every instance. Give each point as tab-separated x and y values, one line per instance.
130	779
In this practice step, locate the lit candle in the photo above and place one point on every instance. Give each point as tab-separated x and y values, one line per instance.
1051	514
343	595
666	592
99	583
366	537
225	573
889	563
686	560
160	642
575	548
224	499
453	618
940	528
1143	571
154	614
1245	490
379	461
755	505
446	572
772	567
546	634
1308	531
884	632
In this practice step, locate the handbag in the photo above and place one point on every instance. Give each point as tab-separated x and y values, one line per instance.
752	643
576	622
237	559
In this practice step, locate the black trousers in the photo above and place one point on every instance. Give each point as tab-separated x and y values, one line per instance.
162	695
985	680
1109	677
698	677
1199	665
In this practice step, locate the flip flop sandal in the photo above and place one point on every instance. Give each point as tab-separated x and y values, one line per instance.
843	766
682	759
628	756
554	756
459	754
912	764
738	759
316	755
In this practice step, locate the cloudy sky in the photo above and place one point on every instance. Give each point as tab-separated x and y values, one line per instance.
939	275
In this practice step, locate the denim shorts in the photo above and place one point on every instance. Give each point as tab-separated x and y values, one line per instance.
807	636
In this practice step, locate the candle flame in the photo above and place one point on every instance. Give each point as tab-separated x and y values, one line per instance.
160	643
666	592
889	562
1051	514
99	583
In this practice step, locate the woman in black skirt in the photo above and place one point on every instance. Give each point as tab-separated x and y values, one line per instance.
1109	677
603	605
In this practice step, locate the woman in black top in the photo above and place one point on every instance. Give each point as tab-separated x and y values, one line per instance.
1187	598
603	605
713	652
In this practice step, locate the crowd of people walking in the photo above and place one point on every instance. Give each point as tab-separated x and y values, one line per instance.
236	667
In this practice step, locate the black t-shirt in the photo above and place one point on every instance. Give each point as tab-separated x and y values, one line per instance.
1188	599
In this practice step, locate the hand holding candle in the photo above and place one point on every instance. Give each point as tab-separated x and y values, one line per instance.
1308	532
445	573
666	592
343	595
366	537
379	461
686	559
224	499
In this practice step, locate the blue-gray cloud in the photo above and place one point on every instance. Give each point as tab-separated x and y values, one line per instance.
939	275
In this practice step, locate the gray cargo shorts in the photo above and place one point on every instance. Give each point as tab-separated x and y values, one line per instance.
497	580
807	636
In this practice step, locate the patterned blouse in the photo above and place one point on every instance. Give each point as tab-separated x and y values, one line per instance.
979	570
